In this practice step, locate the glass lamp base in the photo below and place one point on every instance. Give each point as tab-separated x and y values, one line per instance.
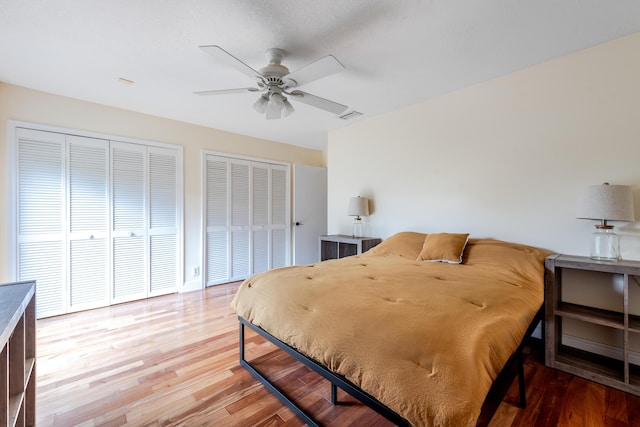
605	245
357	228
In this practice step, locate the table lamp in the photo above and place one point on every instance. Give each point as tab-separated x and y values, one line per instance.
358	206
606	203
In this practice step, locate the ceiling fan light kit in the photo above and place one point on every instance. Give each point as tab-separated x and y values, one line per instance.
275	81
261	104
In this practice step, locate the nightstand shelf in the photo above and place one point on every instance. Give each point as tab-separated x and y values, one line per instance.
580	361
618	372
337	246
590	314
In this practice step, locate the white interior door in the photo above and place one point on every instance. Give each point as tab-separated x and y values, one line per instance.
309	212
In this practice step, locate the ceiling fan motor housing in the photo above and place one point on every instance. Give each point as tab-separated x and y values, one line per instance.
274	71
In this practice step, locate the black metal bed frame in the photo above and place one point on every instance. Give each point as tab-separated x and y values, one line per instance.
513	367
335	380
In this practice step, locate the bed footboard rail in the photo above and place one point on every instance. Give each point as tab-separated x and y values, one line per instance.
334	379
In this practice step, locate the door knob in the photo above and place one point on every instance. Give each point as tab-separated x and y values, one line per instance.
298	224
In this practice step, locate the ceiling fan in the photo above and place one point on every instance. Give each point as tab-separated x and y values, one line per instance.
276	84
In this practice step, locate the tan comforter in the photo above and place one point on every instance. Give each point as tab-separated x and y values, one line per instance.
426	339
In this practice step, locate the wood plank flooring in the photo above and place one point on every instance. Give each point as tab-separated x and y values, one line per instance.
173	361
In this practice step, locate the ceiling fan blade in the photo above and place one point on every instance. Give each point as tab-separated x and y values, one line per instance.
226	91
323	67
224	56
316	101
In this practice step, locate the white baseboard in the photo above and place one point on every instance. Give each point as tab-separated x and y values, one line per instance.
599	348
193	285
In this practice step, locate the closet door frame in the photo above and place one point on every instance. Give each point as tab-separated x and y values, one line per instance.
12	196
250	228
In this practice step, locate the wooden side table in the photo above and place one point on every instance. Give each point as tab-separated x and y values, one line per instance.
17	354
620	374
336	246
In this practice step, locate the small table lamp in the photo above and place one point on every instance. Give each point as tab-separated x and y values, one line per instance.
358	206
606	203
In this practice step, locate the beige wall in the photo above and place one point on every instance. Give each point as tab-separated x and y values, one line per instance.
505	158
17	103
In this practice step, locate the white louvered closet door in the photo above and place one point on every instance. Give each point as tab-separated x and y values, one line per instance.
216	220
129	225
97	221
240	220
279	216
260	197
41	216
246	218
163	220
88	213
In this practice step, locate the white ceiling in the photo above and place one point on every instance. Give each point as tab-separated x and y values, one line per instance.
396	52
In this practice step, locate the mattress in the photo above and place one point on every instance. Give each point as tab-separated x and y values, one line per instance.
427	339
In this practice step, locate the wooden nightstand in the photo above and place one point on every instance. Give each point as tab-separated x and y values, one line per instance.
336	246
620	374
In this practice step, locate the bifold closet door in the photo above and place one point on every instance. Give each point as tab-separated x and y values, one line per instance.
228	231
240	227
88	234
41	217
228	220
63	220
279	222
129	225
145	204
216	220
97	221
246	221
260	195
164	204
269	215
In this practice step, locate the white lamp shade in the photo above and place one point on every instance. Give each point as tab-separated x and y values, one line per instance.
288	108
606	202
261	105
358	206
275	106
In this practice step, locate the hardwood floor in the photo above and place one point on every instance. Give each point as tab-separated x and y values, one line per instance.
173	361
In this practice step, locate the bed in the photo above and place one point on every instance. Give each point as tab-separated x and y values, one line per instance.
420	328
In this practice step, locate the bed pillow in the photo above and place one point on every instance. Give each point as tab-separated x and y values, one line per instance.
443	247
406	244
